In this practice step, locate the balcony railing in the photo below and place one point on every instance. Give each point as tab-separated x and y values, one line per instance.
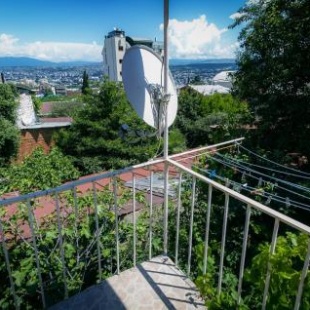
57	242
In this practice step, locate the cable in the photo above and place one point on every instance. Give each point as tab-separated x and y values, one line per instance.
252	176
266	159
262	194
236	163
272	170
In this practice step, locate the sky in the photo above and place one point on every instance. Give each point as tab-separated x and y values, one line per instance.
70	30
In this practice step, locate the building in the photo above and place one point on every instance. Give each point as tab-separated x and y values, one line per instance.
115	45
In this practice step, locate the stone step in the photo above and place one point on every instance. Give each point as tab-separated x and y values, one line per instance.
156	284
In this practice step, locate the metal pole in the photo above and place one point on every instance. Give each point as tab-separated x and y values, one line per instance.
166	181
166	68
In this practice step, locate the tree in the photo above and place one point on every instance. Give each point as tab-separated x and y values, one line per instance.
38	171
85	84
273	70
209	119
107	133
9	134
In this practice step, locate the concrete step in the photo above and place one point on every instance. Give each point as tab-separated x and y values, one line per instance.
156	284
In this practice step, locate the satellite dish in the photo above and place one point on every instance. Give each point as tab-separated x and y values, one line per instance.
143	78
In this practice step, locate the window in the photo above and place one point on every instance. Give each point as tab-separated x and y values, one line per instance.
120	61
121	48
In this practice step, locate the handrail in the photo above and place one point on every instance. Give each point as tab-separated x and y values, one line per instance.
248	201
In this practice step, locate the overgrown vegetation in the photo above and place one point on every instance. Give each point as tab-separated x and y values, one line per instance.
9	134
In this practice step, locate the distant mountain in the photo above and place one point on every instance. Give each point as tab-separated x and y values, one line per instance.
178	62
32	62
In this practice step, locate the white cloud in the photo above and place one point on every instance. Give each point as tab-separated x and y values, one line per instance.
197	39
53	51
237	15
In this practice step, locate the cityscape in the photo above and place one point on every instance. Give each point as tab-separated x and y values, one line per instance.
70	77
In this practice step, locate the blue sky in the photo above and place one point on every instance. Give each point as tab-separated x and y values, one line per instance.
74	30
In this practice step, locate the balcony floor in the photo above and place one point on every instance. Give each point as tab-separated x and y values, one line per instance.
156	284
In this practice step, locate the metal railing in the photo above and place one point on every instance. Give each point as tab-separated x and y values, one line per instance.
65	203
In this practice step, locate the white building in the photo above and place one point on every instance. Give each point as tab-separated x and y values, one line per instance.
223	79
115	46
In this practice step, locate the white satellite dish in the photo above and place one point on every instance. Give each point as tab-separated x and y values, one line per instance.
143	78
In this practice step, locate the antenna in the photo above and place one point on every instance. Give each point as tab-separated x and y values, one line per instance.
143	78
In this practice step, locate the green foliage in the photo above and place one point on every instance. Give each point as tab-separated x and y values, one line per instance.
9	141
210	119
38	171
95	140
85	84
177	141
286	265
86	240
65	108
37	103
273	75
9	136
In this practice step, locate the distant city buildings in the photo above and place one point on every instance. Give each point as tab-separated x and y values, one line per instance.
115	45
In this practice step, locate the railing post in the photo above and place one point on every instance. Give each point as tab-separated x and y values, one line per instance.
244	245
272	250
302	278
207	230
62	250
224	230
191	227
116	224
8	266
134	219
97	229
166	207
151	215
34	242
178	219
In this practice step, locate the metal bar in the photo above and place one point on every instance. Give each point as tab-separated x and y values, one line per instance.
272	250
209	147
178	220
206	244
71	185
36	252
191	227
76	216
166	206
62	250
256	205
224	230
134	219
302	279
151	215
243	254
97	229
8	266
116	224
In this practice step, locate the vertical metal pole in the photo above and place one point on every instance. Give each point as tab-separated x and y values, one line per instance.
206	245
134	219
166	67
97	229
36	252
166	210
224	230
302	278
62	250
244	245
76	215
8	266
151	215
191	227
272	250
116	224
178	220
